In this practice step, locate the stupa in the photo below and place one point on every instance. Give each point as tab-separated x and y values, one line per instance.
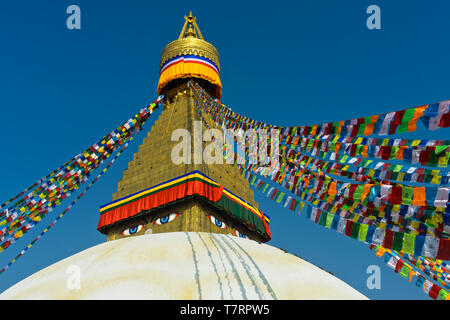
183	229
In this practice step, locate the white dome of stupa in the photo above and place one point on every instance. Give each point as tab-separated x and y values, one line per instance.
182	265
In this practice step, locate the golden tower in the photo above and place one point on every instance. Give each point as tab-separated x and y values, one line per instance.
157	194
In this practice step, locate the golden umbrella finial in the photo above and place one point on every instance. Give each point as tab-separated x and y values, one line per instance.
203	57
193	29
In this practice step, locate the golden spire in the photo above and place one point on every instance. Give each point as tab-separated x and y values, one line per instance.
193	29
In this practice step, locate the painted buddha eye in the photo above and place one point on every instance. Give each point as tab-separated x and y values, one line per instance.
132	230
166	219
240	235
218	222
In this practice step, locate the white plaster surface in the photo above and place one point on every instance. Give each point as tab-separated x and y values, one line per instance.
183	265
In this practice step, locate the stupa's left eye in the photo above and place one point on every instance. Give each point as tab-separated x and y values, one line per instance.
217	222
132	230
166	219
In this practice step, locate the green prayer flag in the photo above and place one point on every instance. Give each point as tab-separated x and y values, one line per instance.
359	150
404	271
433	159
329	220
403	127
394	150
280	196
325	184
332	146
407	195
358	192
363	232
361	129
408	243
323	218
442	294
439	149
367	163
355	230
397	244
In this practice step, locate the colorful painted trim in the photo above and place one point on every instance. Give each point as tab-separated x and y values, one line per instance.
190	59
194	183
159	187
246	205
190	67
244	213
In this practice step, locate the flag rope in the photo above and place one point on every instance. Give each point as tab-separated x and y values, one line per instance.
303	157
69	206
30	209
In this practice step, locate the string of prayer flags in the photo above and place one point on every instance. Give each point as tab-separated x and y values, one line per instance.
394	261
433	116
362	232
395	208
421	245
68	207
408	218
49	192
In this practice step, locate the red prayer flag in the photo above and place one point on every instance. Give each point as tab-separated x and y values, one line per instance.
434	291
348	228
444	249
399	265
445	120
388	239
396	195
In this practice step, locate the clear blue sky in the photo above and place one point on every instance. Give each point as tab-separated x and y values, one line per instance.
287	63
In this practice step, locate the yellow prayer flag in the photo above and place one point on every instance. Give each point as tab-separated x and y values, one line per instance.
18	234
380	251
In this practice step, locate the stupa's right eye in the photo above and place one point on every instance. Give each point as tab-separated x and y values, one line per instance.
217	222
